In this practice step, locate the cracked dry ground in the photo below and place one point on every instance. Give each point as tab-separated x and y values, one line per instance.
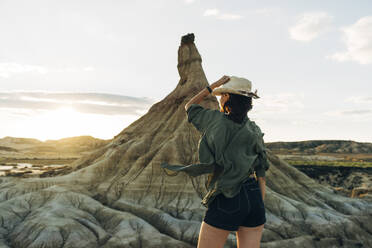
118	196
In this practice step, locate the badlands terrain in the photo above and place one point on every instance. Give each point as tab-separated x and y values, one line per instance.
117	195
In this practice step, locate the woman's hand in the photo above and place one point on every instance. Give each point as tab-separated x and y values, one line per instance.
220	82
204	92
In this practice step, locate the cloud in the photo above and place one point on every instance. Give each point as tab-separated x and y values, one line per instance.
70	69
358	41
89	68
91	103
357	112
266	11
310	25
353	112
229	17
189	1
279	103
211	12
360	99
222	16
309	122
10	69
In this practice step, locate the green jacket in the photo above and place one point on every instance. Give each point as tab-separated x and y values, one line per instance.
228	151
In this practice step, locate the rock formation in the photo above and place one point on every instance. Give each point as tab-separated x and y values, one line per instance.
118	196
322	146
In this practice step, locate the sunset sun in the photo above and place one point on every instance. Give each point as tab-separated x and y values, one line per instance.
66	121
59	123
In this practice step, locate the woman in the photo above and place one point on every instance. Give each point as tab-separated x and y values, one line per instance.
232	151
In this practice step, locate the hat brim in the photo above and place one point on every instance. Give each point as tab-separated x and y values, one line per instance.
220	91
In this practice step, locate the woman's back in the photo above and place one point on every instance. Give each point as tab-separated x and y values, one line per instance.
230	149
234	147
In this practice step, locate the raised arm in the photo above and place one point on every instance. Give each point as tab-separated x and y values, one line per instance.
204	92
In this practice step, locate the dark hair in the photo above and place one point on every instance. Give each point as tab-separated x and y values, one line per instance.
237	107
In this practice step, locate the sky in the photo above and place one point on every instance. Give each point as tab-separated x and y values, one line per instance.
75	67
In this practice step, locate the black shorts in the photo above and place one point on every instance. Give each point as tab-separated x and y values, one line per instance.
245	209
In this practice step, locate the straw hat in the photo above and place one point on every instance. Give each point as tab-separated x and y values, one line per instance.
236	85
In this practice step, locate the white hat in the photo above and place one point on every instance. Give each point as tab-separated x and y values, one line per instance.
236	85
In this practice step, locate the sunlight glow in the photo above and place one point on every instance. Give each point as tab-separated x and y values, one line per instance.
67	122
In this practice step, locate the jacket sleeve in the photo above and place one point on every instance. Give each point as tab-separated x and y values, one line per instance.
201	117
192	169
264	164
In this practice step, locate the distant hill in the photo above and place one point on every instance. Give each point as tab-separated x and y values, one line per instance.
84	142
87	143
320	146
13	146
9	149
15	141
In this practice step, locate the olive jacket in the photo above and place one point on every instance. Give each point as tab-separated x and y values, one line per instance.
228	151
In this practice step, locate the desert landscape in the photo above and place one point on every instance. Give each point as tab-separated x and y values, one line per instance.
26	157
87	192
346	166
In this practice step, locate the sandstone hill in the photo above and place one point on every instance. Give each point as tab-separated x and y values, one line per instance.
28	147
13	141
321	146
118	196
